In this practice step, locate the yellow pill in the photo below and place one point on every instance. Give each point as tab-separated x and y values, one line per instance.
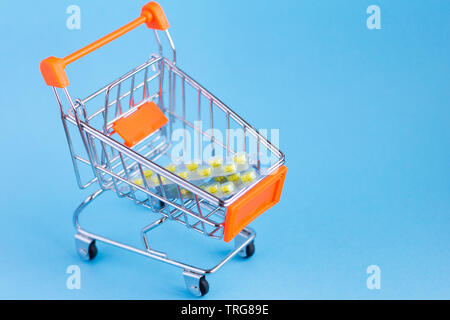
183	174
240	158
248	176
185	192
216	162
148	173
204	172
213	188
155	179
171	167
229	168
220	179
192	166
234	177
139	182
227	188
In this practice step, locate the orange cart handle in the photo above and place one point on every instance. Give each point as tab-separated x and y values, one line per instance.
53	69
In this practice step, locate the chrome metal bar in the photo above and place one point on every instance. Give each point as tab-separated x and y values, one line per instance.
250	236
152	60
198	130
222	106
211	118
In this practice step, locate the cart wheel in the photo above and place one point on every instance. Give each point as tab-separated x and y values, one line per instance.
162	204
92	251
157	204
86	247
204	286
196	283
248	251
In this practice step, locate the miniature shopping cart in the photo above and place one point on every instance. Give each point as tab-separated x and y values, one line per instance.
121	132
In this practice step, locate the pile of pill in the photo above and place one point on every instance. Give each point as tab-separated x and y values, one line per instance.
225	186
216	176
195	171
221	187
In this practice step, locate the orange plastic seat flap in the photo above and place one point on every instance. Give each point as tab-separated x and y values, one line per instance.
145	120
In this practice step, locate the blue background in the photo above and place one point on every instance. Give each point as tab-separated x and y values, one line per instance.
364	123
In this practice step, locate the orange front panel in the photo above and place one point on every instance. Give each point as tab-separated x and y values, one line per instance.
261	197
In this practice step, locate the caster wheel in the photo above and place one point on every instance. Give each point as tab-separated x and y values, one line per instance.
92	251
196	283
86	247
248	251
157	204
204	286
